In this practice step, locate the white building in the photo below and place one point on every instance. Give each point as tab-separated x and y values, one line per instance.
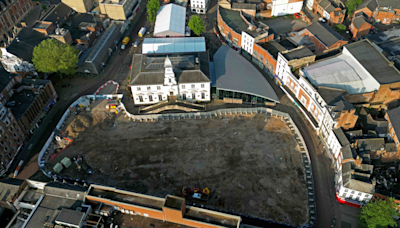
170	21
155	78
173	45
283	7
199	6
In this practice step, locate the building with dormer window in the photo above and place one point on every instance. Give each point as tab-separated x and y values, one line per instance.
184	76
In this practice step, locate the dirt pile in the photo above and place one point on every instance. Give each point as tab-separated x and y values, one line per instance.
78	125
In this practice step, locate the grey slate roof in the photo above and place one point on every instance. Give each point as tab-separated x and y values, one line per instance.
28	39
331	95
149	69
353	134
5	78
341	137
234	73
57	13
380	126
347	153
394	116
273	48
374	62
324	3
359	20
298	53
370	4
325	33
372	144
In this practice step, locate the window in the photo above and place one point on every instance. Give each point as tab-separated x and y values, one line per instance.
148	87
150	97
170	81
138	89
158	87
390	125
392	133
140	98
11	128
202	85
6	148
7	122
352	192
15	135
183	86
193	96
261	58
346	190
6	136
2	143
160	97
359	193
193	86
203	96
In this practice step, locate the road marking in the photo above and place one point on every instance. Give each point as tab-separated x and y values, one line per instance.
30	146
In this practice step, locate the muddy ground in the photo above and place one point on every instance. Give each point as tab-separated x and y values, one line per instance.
251	164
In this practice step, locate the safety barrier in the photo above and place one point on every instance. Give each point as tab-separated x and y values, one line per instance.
105	84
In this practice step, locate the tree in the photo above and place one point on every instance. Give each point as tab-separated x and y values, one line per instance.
196	25
52	56
351	6
340	28
44	7
378	214
152	7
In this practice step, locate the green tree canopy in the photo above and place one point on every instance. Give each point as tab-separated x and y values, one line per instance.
378	214
351	6
152	7
340	28
196	25
52	56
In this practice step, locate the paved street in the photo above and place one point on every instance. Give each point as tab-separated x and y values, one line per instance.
118	69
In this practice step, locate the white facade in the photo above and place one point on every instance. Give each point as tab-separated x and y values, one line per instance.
170	21
152	94
283	7
310	4
247	42
199	6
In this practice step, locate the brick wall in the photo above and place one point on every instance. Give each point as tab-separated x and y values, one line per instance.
225	29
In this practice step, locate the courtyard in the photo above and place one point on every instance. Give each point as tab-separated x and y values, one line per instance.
250	163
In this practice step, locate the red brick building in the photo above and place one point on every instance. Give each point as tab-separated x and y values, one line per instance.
333	11
360	26
384	12
12	12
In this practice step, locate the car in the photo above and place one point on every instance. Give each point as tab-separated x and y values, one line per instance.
296	15
136	43
322	20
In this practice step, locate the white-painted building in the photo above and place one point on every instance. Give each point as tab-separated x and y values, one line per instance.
247	42
155	78
170	21
199	6
283	7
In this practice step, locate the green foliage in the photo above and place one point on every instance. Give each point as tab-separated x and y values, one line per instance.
51	56
196	25
44	7
340	28
351	6
152	7
379	214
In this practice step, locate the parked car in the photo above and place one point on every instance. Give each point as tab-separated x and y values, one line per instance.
136	43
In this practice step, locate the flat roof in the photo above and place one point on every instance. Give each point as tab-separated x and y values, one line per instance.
233	19
374	62
23	100
325	33
68	216
173	45
394	116
343	71
212	217
235	73
170	20
126	197
361	186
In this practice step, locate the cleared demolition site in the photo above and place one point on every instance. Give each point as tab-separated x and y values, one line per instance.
244	164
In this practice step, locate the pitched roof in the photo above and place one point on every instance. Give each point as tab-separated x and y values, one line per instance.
325	33
359	20
370	4
341	137
170	20
394	116
331	95
298	53
234	73
149	69
28	40
237	5
273	48
374	62
5	77
8	188
324	3
58	11
371	144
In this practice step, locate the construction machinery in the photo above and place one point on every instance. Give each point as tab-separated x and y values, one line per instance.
196	193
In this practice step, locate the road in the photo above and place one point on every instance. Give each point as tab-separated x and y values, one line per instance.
327	206
117	70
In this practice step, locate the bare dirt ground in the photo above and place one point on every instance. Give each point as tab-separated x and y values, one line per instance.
251	164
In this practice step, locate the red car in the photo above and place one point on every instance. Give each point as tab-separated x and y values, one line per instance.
296	15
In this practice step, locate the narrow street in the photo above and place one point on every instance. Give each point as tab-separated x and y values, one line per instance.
118	69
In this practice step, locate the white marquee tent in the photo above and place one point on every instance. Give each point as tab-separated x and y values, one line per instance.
173	45
170	21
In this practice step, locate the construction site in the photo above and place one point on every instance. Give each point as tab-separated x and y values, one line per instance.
244	164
